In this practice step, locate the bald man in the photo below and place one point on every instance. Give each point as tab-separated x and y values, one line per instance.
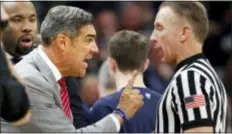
14	103
18	37
107	84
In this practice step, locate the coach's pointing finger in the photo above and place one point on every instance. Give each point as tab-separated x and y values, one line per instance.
131	80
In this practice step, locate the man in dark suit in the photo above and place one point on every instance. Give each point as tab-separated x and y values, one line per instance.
128	51
18	40
18	37
14	104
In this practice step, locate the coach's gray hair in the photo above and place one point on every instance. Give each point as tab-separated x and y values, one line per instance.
105	80
63	19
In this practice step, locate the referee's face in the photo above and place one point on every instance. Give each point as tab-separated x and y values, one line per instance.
165	43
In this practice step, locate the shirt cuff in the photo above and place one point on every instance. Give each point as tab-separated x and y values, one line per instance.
116	122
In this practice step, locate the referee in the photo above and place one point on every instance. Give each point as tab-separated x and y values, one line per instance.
195	99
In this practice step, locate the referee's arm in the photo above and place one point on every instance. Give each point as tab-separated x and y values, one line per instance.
193	94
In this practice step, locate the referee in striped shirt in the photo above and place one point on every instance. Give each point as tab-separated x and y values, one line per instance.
195	99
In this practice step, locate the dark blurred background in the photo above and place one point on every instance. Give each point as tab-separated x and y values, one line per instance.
139	16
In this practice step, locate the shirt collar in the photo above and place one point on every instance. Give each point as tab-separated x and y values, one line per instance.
53	68
9	56
190	60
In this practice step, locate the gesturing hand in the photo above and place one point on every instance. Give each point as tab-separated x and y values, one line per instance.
131	100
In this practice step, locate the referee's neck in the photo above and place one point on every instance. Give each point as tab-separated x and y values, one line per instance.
121	80
188	51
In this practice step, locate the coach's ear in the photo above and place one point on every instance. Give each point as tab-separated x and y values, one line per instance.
62	41
185	34
146	64
112	65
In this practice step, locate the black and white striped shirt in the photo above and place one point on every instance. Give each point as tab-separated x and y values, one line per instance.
194	97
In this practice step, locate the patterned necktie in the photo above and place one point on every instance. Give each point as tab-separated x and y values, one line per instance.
65	98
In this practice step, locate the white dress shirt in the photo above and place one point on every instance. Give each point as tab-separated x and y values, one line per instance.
58	76
53	68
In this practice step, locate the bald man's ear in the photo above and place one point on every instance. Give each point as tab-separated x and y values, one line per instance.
146	64
185	34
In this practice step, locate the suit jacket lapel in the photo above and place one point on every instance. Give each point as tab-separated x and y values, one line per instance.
47	74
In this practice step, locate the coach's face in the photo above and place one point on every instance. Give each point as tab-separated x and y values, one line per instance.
81	49
165	36
19	35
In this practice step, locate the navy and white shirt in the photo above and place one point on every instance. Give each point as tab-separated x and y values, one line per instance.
144	119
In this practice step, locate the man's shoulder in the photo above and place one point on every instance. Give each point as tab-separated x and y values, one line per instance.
103	107
155	94
150	91
149	94
26	69
109	101
194	70
29	65
29	72
26	65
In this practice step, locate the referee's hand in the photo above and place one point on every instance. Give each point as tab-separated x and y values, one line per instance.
131	100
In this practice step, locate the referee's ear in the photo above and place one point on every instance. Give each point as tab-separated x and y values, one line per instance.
185	34
146	64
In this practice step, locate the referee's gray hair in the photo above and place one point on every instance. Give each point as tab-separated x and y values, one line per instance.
63	19
105	80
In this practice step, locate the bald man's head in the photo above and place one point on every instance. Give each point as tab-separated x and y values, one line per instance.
13	7
4	21
18	37
4	15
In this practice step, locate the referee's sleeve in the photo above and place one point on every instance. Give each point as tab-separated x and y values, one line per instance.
193	102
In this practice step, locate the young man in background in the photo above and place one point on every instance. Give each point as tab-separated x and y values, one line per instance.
128	51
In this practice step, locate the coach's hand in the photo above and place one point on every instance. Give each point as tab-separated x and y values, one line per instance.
131	100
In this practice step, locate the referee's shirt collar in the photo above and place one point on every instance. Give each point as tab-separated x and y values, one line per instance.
190	60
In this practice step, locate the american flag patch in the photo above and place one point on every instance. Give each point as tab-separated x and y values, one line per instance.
194	101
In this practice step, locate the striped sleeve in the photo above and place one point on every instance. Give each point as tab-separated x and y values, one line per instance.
193	95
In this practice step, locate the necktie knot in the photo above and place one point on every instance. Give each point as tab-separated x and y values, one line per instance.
62	82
